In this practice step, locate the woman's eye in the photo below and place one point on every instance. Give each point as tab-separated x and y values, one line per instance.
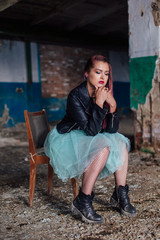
107	74
97	72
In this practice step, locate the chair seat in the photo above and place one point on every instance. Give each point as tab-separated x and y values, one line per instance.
40	156
40	151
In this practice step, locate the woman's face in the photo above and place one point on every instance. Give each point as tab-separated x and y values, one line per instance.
98	75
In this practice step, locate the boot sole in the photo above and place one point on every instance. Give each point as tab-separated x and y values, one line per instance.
115	204
127	213
76	212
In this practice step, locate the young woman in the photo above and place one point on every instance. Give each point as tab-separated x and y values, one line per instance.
86	142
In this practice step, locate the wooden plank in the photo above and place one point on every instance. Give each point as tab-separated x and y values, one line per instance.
46	37
4	4
99	14
60	7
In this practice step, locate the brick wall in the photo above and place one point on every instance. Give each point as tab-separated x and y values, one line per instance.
62	69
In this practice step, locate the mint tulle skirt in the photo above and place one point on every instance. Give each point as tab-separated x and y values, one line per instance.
72	153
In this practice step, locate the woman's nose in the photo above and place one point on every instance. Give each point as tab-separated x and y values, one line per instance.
102	75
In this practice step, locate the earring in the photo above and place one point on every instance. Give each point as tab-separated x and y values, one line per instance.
85	77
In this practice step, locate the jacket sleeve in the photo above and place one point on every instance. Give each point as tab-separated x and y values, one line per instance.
91	122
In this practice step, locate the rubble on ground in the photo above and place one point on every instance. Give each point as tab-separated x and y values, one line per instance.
50	217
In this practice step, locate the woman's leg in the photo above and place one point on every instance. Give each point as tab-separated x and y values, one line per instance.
121	173
82	204
120	197
90	176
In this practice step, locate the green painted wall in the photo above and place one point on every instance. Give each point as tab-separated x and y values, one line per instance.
141	75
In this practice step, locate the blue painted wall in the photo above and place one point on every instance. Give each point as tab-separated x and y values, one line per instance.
122	94
30	98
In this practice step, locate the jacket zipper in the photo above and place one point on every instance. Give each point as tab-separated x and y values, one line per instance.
71	127
88	113
112	119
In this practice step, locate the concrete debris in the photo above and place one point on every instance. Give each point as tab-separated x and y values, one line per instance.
50	217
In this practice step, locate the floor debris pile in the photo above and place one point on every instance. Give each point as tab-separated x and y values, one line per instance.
50	217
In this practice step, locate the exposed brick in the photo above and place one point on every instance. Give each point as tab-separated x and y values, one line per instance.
62	69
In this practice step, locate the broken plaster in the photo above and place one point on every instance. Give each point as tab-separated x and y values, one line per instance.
148	114
5	116
156	12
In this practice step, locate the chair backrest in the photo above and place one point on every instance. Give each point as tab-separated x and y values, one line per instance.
37	128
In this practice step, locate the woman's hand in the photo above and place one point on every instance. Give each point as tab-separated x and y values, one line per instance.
111	101
102	95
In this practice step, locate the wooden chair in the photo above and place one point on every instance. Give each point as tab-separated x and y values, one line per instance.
37	130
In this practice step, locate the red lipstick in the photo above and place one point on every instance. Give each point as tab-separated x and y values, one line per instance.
101	82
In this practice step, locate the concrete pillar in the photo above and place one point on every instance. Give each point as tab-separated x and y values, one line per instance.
144	51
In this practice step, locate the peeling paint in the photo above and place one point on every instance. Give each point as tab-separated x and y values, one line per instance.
156	12
144	35
148	114
144	48
5	117
141	75
18	101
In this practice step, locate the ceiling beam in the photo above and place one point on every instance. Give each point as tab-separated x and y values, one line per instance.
113	27
4	4
60	7
98	15
44	35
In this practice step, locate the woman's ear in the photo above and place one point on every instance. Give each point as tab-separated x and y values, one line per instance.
85	75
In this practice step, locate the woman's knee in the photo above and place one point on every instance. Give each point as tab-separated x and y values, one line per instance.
106	151
104	154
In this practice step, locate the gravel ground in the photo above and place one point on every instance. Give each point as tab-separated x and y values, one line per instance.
50	218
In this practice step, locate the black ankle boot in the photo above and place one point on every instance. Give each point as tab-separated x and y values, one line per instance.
82	206
120	199
114	201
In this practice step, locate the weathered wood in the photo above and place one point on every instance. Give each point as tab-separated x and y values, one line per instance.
100	14
4	4
59	7
45	35
83	23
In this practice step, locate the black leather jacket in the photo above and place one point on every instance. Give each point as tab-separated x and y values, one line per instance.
82	113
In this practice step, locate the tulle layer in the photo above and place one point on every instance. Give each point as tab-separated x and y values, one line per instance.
72	153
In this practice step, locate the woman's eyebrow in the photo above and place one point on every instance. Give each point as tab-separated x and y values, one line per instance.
101	70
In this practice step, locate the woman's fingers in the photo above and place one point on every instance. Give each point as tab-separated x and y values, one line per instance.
100	94
103	94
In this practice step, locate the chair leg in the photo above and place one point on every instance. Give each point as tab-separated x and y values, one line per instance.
50	176
32	182
74	187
